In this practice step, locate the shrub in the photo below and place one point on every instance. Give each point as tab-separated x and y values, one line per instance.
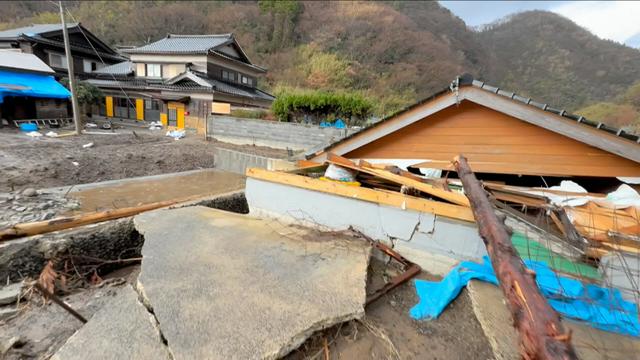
352	106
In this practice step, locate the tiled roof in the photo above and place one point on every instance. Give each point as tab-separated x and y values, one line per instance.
74	47
542	106
35	29
187	85
183	44
121	68
468	80
256	67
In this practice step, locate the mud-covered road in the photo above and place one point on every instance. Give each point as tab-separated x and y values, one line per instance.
49	162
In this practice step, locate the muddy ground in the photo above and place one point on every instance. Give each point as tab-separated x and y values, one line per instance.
49	162
386	332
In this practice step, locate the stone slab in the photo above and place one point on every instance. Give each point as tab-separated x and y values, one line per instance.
495	319
228	286
9	294
122	329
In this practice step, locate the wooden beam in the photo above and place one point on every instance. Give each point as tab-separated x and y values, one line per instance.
560	170
453	197
42	227
542	335
382	197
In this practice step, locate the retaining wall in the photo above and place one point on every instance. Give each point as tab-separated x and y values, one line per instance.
279	135
238	162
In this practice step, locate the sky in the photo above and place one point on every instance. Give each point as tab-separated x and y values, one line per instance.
613	20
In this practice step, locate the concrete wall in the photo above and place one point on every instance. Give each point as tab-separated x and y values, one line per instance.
238	162
436	243
279	135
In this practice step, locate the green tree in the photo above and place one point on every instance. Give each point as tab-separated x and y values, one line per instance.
283	16
87	95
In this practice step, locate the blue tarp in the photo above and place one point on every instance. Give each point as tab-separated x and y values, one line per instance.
30	84
602	308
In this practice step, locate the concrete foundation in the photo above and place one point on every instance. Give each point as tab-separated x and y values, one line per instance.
434	242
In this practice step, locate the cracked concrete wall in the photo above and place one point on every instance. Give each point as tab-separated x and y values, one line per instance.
434	242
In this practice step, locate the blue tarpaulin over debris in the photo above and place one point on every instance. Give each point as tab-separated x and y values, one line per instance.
602	308
29	84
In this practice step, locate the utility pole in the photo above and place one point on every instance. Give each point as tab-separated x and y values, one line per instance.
72	78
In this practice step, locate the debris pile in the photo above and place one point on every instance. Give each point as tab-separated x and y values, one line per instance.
30	205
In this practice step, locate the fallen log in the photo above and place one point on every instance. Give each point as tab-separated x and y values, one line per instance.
542	335
42	227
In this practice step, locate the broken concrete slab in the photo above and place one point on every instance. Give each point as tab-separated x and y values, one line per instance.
228	286
495	319
9	294
122	329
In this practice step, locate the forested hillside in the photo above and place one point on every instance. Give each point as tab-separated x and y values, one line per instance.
394	52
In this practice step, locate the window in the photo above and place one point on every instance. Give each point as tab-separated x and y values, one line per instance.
172	117
154	70
245	80
57	60
228	75
89	66
152	105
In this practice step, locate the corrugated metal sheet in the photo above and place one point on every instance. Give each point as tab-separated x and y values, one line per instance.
22	61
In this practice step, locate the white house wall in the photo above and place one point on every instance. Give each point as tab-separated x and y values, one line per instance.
434	242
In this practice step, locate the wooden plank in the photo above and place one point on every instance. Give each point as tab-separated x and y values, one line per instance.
558	149
536	169
453	197
42	227
301	164
519	199
383	197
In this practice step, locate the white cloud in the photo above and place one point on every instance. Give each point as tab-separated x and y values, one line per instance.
614	20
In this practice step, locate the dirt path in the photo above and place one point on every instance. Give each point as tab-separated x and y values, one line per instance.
50	162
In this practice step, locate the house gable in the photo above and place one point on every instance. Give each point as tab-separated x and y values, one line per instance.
493	142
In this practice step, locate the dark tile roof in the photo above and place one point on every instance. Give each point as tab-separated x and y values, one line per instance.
35	29
183	44
74	47
256	67
185	85
468	80
561	112
119	69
